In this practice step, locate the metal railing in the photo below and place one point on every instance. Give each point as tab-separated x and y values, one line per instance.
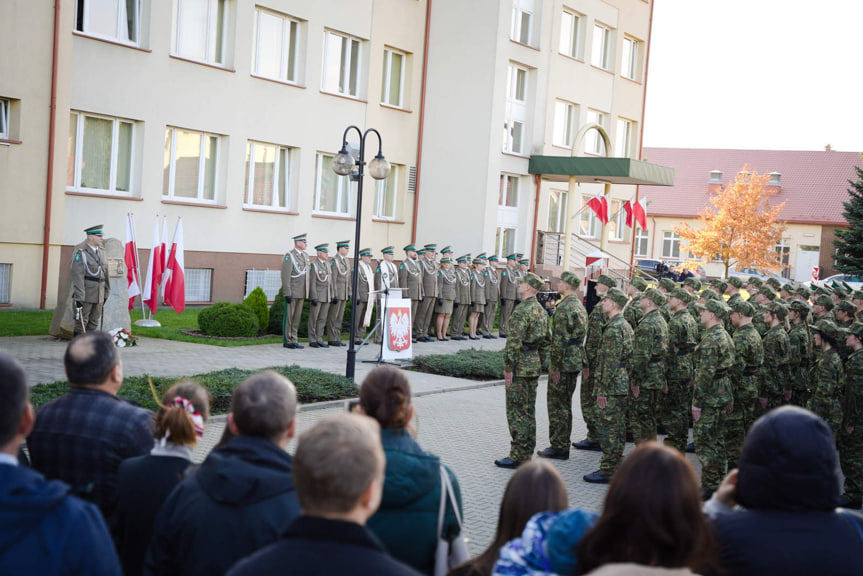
551	249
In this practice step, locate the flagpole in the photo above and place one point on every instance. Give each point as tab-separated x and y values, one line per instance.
147	322
131	217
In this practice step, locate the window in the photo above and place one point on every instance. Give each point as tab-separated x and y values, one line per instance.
202	30
199	282
601	54
508	195
332	193
522	21
114	19
623	138
629	65
504	241
589	225
386	193
670	245
392	84
557	210
268	175
270	281
100	154
5	283
641	242
565	118
617	229
594	143
570	34
191	168
516	110
342	64
4	119
276	46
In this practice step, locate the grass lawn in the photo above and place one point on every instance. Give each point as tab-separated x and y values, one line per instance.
25	322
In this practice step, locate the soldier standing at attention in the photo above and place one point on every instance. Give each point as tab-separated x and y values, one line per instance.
567	360
90	283
462	299
340	281
682	338
828	391
522	364
775	378
648	381
295	275
492	297
446	292
611	385
425	309
851	436
633	313
386	277
509	278
410	278
320	293
745	377
365	284
800	343
712	398
732	289
477	298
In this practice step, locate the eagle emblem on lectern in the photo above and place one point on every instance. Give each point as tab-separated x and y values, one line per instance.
399	328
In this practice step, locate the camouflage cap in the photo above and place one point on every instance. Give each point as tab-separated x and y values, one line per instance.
667	284
695	283
735	281
742	307
639	283
570	278
720	309
774	283
708	294
607	280
777	309
823	291
655	296
857	330
803	292
800	306
533	281
681	295
617	297
755	281
847	307
722	285
767	292
825	301
829	329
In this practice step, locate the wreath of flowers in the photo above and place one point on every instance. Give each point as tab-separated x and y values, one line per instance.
122	338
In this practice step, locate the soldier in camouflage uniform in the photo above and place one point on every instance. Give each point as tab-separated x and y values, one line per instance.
612	386
800	342
851	437
666	285
712	399
527	344
682	338
595	324
569	328
775	378
753	285
828	391
843	315
633	313
647	379
732	289
745	377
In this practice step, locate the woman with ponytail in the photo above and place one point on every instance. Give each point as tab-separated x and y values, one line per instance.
145	482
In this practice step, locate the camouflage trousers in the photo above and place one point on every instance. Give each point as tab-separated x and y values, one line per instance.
588	406
800	397
560	410
738	424
611	429
851	460
644	413
830	411
773	401
678	404
520	417
709	432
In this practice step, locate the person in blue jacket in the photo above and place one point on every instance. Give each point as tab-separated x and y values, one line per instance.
44	530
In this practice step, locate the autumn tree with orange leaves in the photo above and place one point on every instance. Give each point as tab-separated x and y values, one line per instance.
741	227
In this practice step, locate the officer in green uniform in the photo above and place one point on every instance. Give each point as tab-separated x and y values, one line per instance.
411	281
526	345
851	436
712	399
567	360
745	377
800	343
365	286
828	390
682	338
612	385
340	282
386	277
320	294
462	299
775	378
425	309
492	297
91	285
509	294
648	381
295	282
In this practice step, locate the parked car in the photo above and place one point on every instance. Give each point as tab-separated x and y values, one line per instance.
855	282
745	273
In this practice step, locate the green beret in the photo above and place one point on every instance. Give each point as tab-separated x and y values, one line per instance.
825	301
617	297
570	278
667	284
767	293
694	282
736	282
655	296
742	307
681	295
847	307
857	330
533	281
607	280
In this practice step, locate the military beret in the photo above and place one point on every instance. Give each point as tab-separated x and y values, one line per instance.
655	296
720	309
533	281
570	278
736	282
825	301
708	294
722	285
639	283
829	329
694	282
755	281
767	293
847	307
741	306
800	307
667	284
325	247
94	230
774	283
617	297
857	330
681	295
777	309
607	280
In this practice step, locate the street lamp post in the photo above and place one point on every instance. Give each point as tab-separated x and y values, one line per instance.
379	168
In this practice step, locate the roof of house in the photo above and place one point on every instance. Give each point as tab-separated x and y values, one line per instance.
813	184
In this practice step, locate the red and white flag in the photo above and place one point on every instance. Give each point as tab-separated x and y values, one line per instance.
627	207
599	205
163	251
639	212
131	259
175	286
154	272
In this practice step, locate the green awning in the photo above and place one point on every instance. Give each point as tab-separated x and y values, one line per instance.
595	169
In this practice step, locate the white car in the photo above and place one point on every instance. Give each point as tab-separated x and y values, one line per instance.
855	282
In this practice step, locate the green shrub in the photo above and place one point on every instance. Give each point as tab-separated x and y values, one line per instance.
472	364
277	314
257	301
228	320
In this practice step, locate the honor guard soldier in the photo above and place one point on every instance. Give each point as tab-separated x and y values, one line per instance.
425	309
365	285
320	294
340	281
446	292
477	297
90	283
462	299
295	279
492	297
386	277
411	280
509	295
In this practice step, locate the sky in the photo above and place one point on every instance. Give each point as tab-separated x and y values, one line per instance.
755	74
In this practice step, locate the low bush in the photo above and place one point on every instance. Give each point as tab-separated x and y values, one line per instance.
228	320
257	301
277	314
472	364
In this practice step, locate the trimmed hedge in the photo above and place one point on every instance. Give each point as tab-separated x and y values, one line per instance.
228	320
472	364
257	301
312	386
277	314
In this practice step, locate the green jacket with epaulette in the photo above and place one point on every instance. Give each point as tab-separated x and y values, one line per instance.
527	339
568	330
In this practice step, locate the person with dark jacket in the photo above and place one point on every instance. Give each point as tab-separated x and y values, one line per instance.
407	520
44	531
242	497
776	514
338	471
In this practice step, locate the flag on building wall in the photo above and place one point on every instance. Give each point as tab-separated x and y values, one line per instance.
175	286
627	207
599	205
131	259
163	251
154	272
639	212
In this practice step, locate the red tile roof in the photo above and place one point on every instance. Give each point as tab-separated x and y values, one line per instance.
814	184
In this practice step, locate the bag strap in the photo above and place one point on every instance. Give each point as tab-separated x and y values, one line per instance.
451	494
443	493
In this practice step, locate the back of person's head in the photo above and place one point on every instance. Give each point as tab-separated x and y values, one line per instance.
14	396
652	515
264	405
183	411
788	463
90	358
335	463
385	395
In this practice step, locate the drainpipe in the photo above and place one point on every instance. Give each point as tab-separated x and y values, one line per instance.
537	178
421	120
46	238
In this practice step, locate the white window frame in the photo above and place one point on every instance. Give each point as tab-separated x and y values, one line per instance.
270	281
5	283
558	223
5	113
213	52
83	17
589	227
594	143
386	95
281	172
641	236
515	123
630	58
670	240
565	123
77	166
289	59
343	186
602	47
522	22
623	138
503	248
617	229
509	182
169	194
570	34
345	74
198	282
393	179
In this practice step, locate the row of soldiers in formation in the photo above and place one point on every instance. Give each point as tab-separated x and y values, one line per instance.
444	294
651	356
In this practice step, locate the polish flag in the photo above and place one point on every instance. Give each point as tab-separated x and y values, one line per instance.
154	272
131	259
163	251
175	286
599	205
639	212
627	207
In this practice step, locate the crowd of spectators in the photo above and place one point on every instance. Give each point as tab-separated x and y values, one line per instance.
113	490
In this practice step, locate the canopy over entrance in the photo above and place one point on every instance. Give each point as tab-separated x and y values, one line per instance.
604	170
